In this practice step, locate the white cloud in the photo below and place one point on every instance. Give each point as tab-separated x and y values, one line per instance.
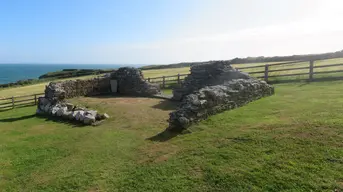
316	30
224	29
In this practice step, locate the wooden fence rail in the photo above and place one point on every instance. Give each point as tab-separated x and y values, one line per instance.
18	101
268	74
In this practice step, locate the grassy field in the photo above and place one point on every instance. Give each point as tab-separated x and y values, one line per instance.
38	88
301	64
291	141
185	70
165	72
31	89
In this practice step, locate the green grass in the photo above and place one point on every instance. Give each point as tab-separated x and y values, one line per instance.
32	89
39	88
165	72
297	65
185	70
291	141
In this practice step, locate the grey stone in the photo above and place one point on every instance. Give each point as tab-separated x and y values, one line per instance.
79	115
102	116
72	115
70	106
131	82
208	74
47	107
89	119
91	112
82	116
59	91
42	101
211	100
39	111
61	111
66	114
54	110
106	116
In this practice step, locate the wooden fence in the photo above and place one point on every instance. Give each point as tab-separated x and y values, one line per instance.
272	73
167	80
19	101
276	73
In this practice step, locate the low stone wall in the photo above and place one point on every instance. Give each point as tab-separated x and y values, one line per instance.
131	82
68	111
73	88
208	74
215	99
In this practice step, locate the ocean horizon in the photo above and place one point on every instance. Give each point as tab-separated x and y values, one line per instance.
15	72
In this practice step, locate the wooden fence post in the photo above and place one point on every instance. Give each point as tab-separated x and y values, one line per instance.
12	102
311	71
149	79
164	82
266	68
35	99
178	78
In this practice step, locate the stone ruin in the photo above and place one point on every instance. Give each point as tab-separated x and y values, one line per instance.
128	81
208	74
212	88
74	88
67	111
131	82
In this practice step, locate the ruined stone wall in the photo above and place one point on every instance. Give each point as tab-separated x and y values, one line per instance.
215	99
131	82
54	102
68	111
208	74
73	88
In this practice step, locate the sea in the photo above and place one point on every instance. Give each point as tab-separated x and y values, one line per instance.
14	72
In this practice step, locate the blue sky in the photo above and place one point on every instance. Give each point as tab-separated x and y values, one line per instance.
164	31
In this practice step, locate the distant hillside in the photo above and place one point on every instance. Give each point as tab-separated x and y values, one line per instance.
255	60
68	73
65	73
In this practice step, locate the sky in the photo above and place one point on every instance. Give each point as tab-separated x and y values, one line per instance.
165	31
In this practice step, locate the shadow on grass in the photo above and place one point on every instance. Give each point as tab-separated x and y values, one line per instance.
17	107
166	105
166	135
304	84
104	96
13	119
61	120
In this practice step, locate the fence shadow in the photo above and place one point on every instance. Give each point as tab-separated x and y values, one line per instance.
13	119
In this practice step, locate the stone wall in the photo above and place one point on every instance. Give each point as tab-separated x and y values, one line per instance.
54	102
215	99
68	111
131	82
208	74
74	88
